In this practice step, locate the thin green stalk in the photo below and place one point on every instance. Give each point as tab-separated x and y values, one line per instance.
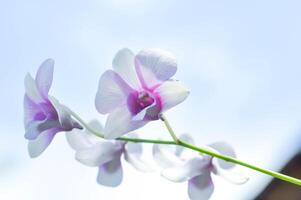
236	161
198	149
217	155
139	140
170	130
90	129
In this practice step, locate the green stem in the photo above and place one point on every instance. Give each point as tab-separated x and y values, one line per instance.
89	128
236	161
217	155
195	148
170	130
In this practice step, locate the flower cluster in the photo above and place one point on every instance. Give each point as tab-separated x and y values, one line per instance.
138	90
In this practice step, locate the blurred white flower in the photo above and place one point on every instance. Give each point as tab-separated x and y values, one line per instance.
105	154
179	165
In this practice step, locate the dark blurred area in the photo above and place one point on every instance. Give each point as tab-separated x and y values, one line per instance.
280	190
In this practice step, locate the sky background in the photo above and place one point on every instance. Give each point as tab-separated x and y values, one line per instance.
240	59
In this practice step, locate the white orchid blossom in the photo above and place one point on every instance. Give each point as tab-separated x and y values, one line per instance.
138	90
179	165
105	154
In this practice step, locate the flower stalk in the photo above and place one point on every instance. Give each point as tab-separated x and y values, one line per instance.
89	128
170	130
194	148
137	91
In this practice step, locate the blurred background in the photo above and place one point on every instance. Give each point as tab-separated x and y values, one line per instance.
240	59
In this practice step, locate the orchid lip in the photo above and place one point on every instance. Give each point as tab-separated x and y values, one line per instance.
137	101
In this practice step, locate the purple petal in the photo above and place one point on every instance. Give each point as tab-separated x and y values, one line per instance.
112	92
124	65
34	128
31	110
132	154
31	89
154	66
32	131
143	105
120	122
111	173
64	115
200	187
187	170
225	149
141	115
171	93
37	146
98	154
44	77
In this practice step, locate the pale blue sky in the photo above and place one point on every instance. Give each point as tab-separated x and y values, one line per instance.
241	60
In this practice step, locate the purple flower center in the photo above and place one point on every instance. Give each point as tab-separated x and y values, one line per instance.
144	99
137	101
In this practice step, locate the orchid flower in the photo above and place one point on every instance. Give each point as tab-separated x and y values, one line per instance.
105	154
44	116
181	165
138	90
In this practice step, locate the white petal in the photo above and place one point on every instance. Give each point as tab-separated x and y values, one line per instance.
154	66
31	89
232	175
200	187
34	128
186	138
171	93
110	174
96	125
165	156
112	92
79	139
133	153
225	149
133	148
187	170
98	154
64	115
124	65
37	146
120	122
44	77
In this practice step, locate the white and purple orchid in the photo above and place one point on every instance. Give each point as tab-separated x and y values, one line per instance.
44	116
181	165
138	90
105	154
